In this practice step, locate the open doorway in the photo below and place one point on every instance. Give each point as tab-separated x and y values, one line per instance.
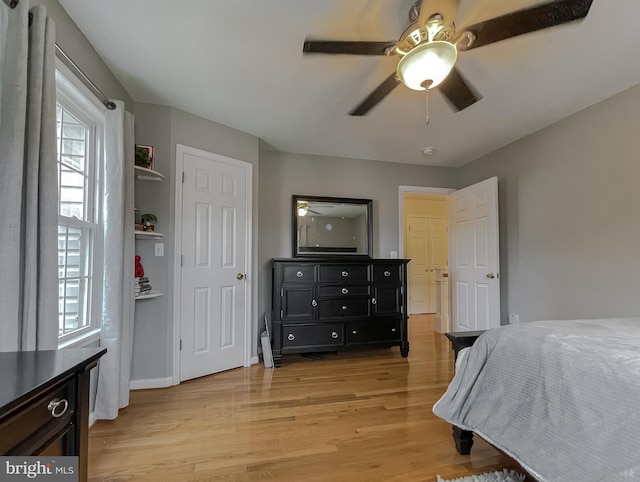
424	239
473	267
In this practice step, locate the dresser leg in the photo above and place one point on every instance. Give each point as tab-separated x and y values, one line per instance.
463	440
277	361
404	350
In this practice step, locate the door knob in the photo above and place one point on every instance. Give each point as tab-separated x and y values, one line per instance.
491	276
241	276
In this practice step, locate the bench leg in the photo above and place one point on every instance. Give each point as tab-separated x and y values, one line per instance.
463	440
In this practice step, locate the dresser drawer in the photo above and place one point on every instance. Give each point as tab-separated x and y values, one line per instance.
298	273
342	291
389	272
362	332
300	336
343	273
343	308
38	415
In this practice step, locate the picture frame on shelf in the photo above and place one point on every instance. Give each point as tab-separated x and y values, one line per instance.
145	156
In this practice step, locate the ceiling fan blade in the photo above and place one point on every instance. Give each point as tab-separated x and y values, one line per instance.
457	91
527	20
346	47
376	96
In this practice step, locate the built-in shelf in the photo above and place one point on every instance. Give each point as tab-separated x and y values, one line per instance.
148	235
149	295
148	174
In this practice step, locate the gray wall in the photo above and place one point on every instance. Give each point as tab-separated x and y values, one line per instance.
569	202
77	47
164	127
152	331
285	174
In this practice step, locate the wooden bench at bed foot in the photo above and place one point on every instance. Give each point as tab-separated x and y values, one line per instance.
459	340
463	440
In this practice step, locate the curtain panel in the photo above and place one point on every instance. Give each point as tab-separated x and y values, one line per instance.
116	332
28	191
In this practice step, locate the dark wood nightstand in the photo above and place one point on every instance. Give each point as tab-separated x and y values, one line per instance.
44	403
459	340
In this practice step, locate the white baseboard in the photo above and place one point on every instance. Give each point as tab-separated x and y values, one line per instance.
151	383
92	418
254	360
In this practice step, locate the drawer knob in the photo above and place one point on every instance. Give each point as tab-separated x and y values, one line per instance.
374	301
334	335
355	332
290	337
393	330
387	273
345	274
299	274
345	291
58	407
314	303
344	307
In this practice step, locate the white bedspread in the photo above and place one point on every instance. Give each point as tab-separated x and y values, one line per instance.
560	397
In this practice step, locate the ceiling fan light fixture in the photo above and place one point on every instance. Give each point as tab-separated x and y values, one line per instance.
427	65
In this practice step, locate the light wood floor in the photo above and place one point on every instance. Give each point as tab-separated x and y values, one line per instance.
352	417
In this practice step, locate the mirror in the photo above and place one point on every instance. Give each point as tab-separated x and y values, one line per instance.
330	226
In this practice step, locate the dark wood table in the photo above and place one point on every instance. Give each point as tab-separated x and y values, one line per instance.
459	340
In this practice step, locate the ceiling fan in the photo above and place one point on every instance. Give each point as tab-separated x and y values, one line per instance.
428	48
303	209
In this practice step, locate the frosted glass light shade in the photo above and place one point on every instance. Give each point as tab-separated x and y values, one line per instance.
430	61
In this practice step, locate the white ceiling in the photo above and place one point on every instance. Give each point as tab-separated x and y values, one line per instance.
240	63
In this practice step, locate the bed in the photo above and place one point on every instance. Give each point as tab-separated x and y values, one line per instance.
559	397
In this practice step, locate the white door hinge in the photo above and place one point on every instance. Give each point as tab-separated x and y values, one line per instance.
182	177
180	344
182	260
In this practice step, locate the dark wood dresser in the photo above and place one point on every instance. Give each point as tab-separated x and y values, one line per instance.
333	304
44	403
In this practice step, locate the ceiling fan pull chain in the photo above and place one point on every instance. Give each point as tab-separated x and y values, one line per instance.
427	119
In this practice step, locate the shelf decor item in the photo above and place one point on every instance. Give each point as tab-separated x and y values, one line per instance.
138	269
145	156
148	222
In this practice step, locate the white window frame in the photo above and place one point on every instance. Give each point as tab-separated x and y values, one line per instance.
75	97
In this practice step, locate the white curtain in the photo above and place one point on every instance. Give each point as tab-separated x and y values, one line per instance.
28	173
118	301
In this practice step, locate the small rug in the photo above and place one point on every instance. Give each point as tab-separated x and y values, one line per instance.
503	476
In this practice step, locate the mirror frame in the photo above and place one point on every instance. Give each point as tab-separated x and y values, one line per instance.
368	203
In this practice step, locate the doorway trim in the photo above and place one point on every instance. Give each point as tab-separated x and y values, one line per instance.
177	251
402	190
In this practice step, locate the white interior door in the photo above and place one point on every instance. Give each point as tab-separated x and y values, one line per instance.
427	248
214	235
418	268
474	259
438	255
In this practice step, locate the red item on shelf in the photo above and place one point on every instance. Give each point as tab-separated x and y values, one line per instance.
139	270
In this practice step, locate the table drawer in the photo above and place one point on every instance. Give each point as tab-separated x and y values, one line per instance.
341	291
344	307
298	273
343	273
362	332
53	408
299	336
